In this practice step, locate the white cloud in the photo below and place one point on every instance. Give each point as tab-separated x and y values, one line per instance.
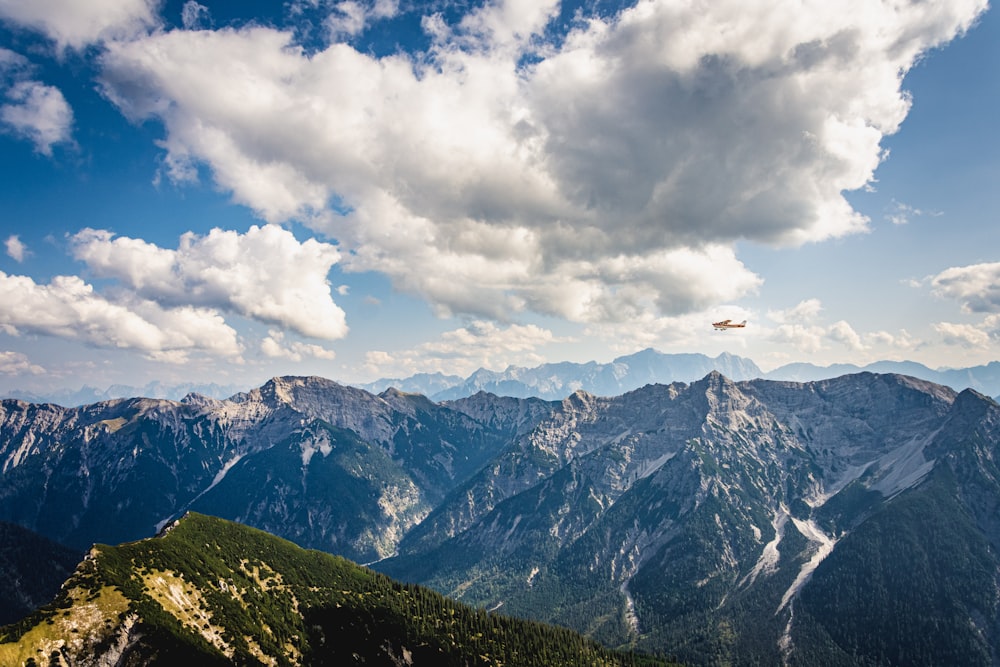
385	9
348	18
844	333
977	286
194	15
265	274
460	351
72	23
33	110
275	346
69	308
15	363
16	250
806	338
611	177
901	341
506	24
802	328
963	335
901	213
805	311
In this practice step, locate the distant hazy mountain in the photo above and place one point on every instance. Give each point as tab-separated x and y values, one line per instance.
428	384
559	380
210	592
87	395
984	379
850	521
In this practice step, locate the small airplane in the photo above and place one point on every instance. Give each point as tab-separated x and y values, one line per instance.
728	324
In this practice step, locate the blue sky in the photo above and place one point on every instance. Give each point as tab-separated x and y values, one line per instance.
228	191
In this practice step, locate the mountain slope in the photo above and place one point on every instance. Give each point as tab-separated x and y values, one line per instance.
211	592
692	518
33	569
330	466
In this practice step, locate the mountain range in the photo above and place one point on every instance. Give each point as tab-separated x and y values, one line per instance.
556	381
626	373
846	521
86	395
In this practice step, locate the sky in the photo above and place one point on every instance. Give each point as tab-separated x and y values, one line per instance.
227	191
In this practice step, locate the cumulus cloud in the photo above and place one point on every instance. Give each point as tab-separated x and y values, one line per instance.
265	274
348	18
39	113
480	344
75	24
807	338
963	335
33	110
16	250
977	286
805	311
801	327
275	346
69	308
898	341
592	178
194	15
15	363
843	333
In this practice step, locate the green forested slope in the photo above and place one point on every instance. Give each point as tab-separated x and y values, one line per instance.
210	591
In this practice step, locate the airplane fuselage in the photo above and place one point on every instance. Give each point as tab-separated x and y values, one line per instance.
728	324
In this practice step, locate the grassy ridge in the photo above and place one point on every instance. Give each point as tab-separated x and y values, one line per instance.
209	591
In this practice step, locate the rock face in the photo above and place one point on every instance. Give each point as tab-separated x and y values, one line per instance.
848	521
702	520
331	467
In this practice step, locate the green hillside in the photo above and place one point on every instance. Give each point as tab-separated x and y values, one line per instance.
209	592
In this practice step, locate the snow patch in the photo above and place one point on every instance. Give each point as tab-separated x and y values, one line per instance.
531	576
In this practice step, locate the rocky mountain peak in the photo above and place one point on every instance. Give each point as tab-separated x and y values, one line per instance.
580	400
